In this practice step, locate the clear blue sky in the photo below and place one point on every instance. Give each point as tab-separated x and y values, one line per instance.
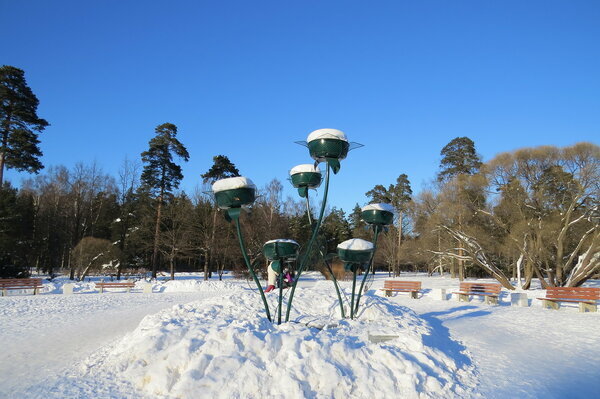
248	78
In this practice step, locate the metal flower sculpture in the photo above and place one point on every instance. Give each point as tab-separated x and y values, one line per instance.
232	195
329	146
356	254
378	216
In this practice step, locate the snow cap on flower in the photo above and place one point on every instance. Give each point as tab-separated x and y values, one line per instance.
326	134
281	240
304	168
231	183
378	207
356	244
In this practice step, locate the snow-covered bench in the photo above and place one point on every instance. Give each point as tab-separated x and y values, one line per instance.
489	291
20	284
587	297
113	284
414	287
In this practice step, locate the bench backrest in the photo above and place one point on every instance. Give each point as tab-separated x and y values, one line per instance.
20	282
398	284
488	288
589	293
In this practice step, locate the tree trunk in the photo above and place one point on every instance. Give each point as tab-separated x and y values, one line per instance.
6	129
538	274
588	264
71	267
397	270
211	246
1	168
518	270
453	268
461	264
528	276
440	263
156	237
172	266
461	252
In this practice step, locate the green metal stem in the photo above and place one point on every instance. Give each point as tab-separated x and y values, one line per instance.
353	288
377	228
249	265
308	210
309	246
337	288
329	269
280	296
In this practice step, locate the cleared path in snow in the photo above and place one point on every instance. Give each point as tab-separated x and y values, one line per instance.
42	335
522	352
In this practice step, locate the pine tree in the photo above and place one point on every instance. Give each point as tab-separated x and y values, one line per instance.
222	168
358	226
458	158
336	229
19	123
161	175
379	194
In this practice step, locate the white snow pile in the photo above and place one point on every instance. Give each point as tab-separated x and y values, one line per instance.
225	348
281	240
378	207
231	183
195	285
57	286
326	134
356	244
304	168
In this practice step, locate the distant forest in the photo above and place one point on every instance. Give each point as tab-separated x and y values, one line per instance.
526	214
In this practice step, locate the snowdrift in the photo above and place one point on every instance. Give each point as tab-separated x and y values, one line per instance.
219	347
196	286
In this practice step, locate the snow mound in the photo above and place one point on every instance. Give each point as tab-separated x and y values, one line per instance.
225	348
199	286
79	287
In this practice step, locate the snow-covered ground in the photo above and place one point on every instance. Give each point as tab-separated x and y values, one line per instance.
193	339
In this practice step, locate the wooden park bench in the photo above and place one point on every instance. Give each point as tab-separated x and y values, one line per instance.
489	291
414	287
585	296
20	284
115	284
